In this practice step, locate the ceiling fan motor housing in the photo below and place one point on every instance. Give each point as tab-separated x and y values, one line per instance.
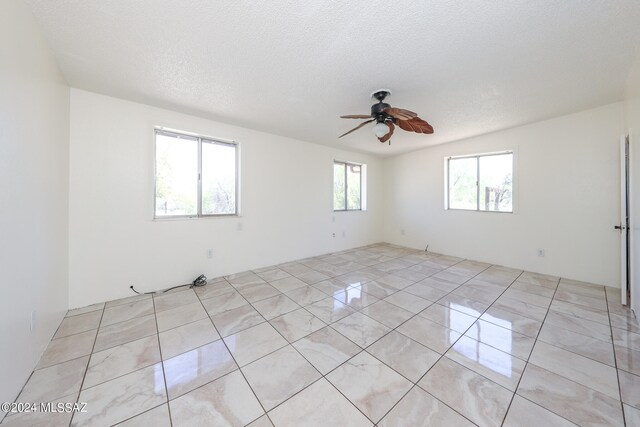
377	111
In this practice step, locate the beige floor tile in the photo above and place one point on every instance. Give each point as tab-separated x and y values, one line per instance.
275	306
273	274
360	329
472	395
632	415
122	398
263	421
369	384
311	277
419	409
408	301
406	356
329	310
227	401
212	290
628	359
258	292
512	321
579	326
128	311
156	417
288	284
582	370
498	366
53	382
197	367
504	339
624	338
187	337
224	302
84	310
253	343
580	311
326	349
236	320
533	289
79	323
582	288
629	388
306	295
246	278
330	408
524	413
280	375
599	303
530	298
583	345
355	298
62	349
463	304
425	291
127	300
174	299
522	308
452	319
179	316
330	286
430	334
388	314
297	324
124	332
577	403
378	290
120	360
539	279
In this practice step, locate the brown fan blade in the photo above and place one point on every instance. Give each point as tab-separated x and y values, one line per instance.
356	128
416	125
356	116
399	113
388	135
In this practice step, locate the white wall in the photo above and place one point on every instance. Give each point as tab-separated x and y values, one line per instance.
34	150
286	202
567	199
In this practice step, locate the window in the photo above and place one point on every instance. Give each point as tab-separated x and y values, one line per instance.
481	183
195	176
349	186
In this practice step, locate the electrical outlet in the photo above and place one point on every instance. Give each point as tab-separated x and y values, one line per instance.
209	253
33	319
541	252
333	234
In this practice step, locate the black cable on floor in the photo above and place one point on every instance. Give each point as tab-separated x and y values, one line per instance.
201	280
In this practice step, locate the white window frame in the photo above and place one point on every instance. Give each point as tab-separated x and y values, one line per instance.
363	186
200	139
447	205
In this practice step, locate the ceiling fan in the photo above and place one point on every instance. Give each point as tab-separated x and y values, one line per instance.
387	117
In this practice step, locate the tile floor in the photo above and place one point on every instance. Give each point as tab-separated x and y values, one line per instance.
380	335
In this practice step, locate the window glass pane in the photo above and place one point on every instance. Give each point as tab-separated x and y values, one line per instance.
218	178
462	183
176	176
338	187
353	187
496	182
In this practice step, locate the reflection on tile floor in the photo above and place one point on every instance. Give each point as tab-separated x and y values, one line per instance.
379	335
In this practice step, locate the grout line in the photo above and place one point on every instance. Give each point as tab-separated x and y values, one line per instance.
87	368
615	359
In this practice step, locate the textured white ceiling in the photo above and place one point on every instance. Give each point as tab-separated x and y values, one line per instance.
292	67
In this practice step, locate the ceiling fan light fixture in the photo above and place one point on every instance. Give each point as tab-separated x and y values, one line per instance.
380	129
